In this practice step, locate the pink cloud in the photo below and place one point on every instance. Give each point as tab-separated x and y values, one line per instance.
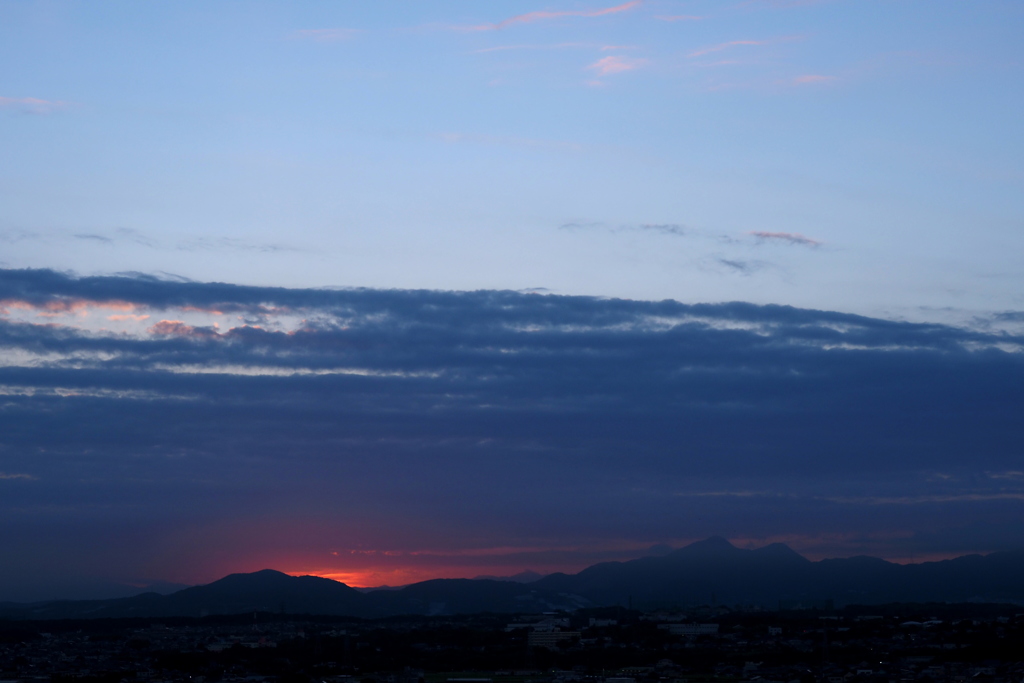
216	311
724	46
323	35
615	65
118	318
811	79
69	306
32	105
178	328
788	237
530	17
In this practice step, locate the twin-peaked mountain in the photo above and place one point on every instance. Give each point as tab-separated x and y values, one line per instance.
707	571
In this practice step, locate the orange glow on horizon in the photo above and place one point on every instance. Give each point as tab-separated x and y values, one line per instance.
367	568
403	576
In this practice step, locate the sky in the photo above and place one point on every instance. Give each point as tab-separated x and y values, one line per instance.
393	291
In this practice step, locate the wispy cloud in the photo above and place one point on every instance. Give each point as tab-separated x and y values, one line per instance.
787	237
94	238
5	475
781	4
665	228
969	497
323	35
924	499
1010	474
812	79
724	46
32	105
742	266
231	244
120	236
555	46
616	64
531	17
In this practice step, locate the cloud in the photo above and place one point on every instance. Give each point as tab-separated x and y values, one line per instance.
783	4
178	328
417	419
556	46
675	229
787	237
531	17
742	266
231	244
665	228
32	105
668	229
616	64
324	35
812	79
64	306
131	236
1012	474
9	476
724	46
95	238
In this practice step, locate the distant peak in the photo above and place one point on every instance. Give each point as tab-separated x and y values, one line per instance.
780	550
659	550
527	576
708	545
261	575
713	542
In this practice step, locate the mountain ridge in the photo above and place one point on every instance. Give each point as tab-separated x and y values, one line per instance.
708	571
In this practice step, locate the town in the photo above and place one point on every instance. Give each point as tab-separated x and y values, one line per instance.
933	643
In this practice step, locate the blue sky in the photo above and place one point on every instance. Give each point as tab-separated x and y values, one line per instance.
465	145
509	285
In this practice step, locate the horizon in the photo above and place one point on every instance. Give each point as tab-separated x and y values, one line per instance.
450	288
338	577
309	423
459	574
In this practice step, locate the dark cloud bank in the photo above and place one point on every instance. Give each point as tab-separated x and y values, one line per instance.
451	422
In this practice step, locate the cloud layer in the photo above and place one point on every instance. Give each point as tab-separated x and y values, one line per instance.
183	429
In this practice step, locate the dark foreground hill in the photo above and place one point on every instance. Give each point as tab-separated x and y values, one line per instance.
273	591
708	571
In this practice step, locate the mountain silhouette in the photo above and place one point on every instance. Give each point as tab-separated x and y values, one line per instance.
712	570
